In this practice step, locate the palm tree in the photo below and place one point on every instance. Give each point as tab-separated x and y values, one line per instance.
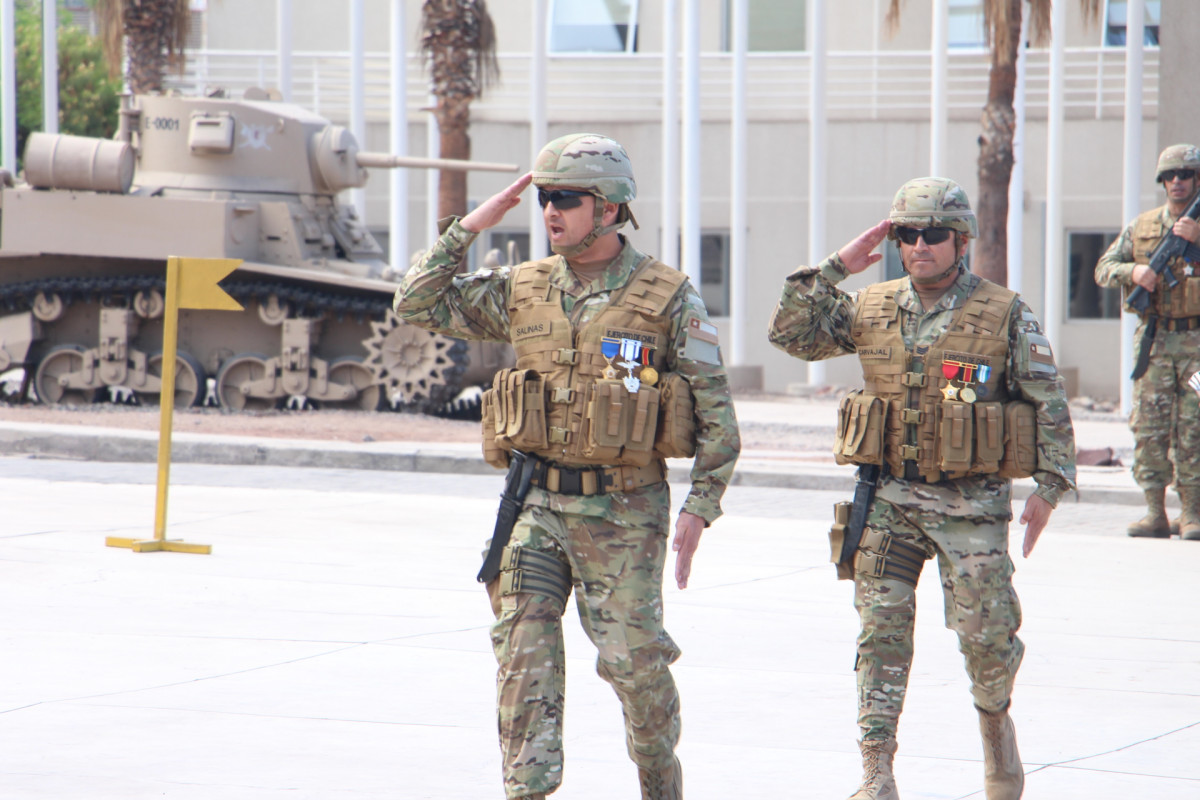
154	31
459	43
1002	34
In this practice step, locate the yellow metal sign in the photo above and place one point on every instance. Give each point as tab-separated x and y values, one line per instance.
191	283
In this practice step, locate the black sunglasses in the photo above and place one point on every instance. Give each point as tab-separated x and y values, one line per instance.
562	199
1168	175
931	235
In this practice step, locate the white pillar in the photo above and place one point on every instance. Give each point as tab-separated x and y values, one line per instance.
1132	174
738	322
1052	277
668	247
691	141
1016	183
358	118
283	43
816	152
8	86
398	187
432	149
538	128
938	112
50	66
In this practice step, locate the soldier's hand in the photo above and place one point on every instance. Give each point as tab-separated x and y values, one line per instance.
1034	518
1188	228
1145	277
688	528
489	213
857	255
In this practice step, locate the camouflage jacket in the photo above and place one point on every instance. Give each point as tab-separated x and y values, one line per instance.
1114	270
475	306
813	322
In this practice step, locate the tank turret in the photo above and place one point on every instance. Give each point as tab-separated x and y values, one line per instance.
84	240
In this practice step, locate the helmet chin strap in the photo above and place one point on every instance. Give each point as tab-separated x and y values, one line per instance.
959	263
598	229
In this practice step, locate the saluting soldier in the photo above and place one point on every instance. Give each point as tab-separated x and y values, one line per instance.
961	395
618	367
1165	413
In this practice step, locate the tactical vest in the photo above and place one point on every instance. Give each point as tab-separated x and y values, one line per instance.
905	417
569	399
1165	303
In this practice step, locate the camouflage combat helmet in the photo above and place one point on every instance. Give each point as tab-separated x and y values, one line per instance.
595	163
1177	156
933	203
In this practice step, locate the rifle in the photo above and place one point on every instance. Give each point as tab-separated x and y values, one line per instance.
1168	249
512	500
850	519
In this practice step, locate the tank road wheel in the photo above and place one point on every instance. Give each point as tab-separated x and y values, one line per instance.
421	368
190	380
350	371
234	380
49	383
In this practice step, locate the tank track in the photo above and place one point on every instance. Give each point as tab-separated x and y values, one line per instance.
120	291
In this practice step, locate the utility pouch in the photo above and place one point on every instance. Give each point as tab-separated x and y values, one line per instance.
1191	297
620	425
861	422
1020	440
525	410
493	453
837	536
956	438
676	437
989	437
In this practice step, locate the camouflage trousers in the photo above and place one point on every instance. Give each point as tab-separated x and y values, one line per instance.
980	603
616	570
1166	414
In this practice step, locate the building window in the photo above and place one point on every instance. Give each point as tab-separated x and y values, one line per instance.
965	24
505	248
714	272
1086	300
1115	16
593	26
774	26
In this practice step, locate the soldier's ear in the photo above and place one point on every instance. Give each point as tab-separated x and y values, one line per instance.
610	213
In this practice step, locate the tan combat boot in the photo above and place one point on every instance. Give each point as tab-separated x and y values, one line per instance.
665	783
1003	775
1189	520
878	783
1155	522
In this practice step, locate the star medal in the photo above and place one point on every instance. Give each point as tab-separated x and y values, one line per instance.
649	375
950	391
610	349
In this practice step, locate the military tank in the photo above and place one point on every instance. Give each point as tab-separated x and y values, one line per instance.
85	236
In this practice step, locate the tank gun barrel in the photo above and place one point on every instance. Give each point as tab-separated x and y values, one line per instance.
389	161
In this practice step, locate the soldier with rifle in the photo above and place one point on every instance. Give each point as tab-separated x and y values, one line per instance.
618	368
1156	261
961	396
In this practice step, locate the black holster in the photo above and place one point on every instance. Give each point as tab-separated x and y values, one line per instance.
512	500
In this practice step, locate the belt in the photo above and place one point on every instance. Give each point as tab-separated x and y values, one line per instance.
1180	323
587	481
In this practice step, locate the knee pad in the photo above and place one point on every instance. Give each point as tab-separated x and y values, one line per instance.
525	570
881	555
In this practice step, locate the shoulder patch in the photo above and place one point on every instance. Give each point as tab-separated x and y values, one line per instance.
702	344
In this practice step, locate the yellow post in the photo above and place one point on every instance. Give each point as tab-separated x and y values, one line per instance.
191	283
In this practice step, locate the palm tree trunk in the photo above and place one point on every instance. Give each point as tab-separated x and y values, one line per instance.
454	117
996	151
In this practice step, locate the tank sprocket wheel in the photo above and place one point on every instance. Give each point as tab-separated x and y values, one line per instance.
419	369
49	380
233	383
190	380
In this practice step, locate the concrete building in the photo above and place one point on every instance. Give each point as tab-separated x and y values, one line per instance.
605	74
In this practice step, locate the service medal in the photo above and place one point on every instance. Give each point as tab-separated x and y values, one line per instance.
950	392
632	383
648	375
967	394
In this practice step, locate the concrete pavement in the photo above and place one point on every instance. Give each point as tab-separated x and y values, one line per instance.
335	644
